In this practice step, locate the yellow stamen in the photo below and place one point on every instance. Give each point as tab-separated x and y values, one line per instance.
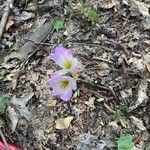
64	84
68	64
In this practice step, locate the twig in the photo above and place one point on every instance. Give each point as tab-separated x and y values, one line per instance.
41	43
113	93
109	88
94	85
5	16
101	59
4	140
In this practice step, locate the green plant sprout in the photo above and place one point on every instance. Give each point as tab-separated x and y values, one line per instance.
90	13
57	24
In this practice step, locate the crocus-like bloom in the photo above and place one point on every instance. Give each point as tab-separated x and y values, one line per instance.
64	58
62	86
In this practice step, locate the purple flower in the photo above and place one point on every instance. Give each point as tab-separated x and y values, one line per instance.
64	58
62	86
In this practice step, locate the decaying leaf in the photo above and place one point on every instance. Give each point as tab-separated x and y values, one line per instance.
147	42
147	61
22	101
29	47
63	123
126	93
90	142
16	74
90	103
18	108
140	64
144	10
108	3
137	64
13	117
10	22
138	123
114	125
142	95
103	70
24	16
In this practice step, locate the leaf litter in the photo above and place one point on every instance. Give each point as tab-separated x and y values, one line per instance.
114	32
18	109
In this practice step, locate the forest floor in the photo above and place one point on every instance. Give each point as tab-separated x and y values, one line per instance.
111	40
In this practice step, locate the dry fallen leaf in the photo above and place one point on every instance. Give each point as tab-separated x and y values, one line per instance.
90	102
147	42
18	108
137	65
108	3
16	74
13	117
24	16
138	123
10	22
147	61
142	95
114	125
22	101
87	141
126	93
104	69
63	123
144	10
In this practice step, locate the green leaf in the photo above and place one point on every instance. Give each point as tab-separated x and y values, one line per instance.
90	13
57	24
125	143
4	101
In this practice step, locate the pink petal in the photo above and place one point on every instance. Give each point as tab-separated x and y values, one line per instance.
60	54
67	95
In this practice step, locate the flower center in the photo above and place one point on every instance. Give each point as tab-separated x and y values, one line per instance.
68	64
64	84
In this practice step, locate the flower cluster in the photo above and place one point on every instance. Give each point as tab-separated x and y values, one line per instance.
63	82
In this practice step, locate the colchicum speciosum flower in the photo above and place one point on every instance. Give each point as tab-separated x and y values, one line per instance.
64	58
63	82
62	86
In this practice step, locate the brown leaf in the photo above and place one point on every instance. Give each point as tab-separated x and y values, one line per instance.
108	3
142	8
13	117
15	78
147	61
138	123
90	102
63	123
142	95
104	69
10	22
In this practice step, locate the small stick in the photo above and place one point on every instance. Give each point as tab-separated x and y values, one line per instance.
5	16
109	88
101	59
4	140
113	93
92	84
41	43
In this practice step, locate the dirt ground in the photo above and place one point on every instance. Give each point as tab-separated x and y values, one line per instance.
113	92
